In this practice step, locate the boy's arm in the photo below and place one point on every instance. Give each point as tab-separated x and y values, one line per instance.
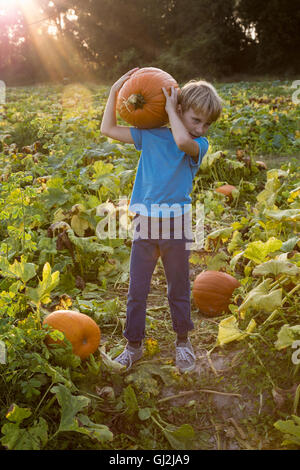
181	135
109	125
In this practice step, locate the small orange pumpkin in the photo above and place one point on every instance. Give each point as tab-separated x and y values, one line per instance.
141	101
212	291
80	329
226	189
261	165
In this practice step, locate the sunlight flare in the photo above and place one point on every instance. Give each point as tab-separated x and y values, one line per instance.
14	4
57	53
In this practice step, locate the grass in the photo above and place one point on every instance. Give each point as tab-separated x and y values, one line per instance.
275	161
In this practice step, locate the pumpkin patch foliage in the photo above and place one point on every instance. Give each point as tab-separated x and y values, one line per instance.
56	172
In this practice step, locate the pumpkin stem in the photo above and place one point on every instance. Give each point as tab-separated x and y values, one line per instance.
136	100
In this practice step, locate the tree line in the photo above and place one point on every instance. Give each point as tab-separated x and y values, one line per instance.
188	38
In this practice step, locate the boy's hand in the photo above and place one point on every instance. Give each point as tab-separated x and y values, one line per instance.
171	100
118	84
109	126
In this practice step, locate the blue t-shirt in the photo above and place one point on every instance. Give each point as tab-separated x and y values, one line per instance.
164	177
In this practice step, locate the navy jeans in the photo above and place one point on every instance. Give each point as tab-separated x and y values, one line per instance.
175	258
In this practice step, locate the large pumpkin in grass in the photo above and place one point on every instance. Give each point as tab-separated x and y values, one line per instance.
141	101
80	329
212	292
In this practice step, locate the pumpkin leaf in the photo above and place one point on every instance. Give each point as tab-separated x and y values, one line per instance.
89	245
144	413
235	259
180	438
55	197
290	244
267	197
17	414
287	214
31	438
22	270
210	159
71	405
291	430
100	168
79	225
57	374
276	267
130	400
286	336
222	233
95	431
258	251
260	298
112	365
143	381
216	262
229	330
294	194
19	269
46	285
236	242
275	173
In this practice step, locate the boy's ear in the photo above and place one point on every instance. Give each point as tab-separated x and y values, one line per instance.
179	109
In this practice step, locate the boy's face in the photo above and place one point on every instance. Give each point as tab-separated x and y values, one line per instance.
196	123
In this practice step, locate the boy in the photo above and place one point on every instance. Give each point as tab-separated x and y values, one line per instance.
169	161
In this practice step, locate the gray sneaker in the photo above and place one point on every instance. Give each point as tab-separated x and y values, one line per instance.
185	357
129	356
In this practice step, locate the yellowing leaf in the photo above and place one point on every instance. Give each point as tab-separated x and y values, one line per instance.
45	286
235	242
276	267
236	225
291	430
223	233
286	336
229	330
17	414
102	168
260	298
286	214
258	251
79	225
210	159
19	269
294	194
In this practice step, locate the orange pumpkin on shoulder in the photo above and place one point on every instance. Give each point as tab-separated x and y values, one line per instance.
141	101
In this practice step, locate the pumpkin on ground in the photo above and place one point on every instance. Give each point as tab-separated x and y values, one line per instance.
212	292
261	165
226	189
141	101
80	329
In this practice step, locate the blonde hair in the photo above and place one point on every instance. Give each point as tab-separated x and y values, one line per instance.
202	97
